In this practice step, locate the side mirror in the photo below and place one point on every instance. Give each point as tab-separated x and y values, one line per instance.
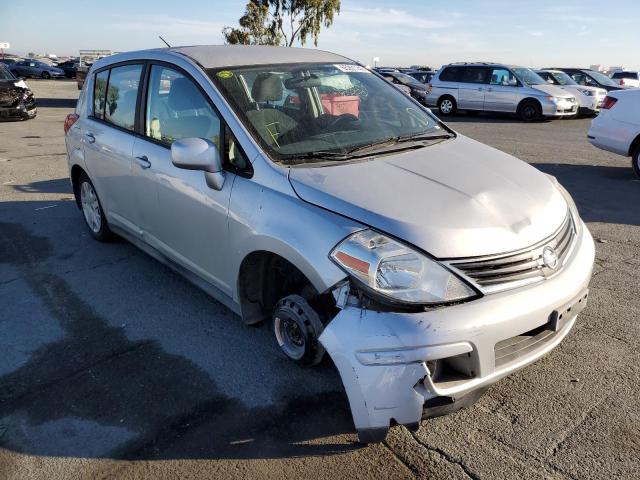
513	82
199	154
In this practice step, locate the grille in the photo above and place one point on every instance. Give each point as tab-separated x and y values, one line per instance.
501	272
514	348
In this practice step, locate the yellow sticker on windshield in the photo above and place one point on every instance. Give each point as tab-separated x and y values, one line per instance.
225	74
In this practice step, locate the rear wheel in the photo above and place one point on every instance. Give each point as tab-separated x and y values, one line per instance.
529	111
447	106
92	210
635	161
45	75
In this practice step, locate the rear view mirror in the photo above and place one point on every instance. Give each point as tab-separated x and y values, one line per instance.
199	154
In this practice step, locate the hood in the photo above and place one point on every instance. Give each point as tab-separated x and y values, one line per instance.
575	89
553	90
459	198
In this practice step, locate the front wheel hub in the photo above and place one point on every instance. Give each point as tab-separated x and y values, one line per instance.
297	327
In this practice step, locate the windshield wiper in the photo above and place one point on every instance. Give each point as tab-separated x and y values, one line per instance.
364	150
317	155
422	137
401	139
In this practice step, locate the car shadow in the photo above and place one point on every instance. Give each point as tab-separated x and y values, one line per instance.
602	193
59	185
109	354
56	102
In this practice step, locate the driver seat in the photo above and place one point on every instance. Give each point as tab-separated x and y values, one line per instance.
270	123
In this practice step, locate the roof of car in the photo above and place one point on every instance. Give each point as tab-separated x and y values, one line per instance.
217	56
213	56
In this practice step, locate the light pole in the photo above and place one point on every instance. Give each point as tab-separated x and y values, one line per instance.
375	61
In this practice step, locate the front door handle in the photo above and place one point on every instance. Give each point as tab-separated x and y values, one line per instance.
489	89
480	89
90	137
143	161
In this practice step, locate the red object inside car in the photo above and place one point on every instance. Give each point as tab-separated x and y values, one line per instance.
340	104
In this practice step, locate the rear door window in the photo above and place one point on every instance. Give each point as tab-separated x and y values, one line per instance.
122	96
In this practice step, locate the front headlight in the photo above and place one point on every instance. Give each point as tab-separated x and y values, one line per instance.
570	202
396	271
588	93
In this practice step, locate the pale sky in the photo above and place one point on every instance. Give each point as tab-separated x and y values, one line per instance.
404	32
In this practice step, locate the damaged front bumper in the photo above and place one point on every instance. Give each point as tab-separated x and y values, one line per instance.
384	358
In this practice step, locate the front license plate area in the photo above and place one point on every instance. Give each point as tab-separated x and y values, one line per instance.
562	315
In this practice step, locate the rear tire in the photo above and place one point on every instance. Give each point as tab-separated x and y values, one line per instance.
447	106
92	212
635	161
45	75
529	111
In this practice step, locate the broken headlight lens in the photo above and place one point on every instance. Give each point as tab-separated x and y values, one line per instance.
396	271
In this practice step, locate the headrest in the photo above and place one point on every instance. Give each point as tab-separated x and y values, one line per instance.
267	87
183	95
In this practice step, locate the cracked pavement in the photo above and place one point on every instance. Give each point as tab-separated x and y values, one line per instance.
113	366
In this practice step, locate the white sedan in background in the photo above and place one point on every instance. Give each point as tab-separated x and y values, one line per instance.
589	98
617	128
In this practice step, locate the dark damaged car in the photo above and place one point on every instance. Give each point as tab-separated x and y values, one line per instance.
16	99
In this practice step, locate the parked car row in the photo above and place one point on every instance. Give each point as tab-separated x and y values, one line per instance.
495	87
36	68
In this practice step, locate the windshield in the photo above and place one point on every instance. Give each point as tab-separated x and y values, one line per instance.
305	111
602	79
407	80
6	74
563	79
528	76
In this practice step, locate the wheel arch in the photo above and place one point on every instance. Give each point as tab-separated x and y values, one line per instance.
634	145
529	100
446	95
76	172
267	275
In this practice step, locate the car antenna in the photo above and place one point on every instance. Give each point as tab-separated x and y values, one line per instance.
165	42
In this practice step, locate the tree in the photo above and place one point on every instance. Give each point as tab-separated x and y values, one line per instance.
282	22
254	29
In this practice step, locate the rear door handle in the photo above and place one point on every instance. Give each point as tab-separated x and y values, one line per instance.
143	161
90	137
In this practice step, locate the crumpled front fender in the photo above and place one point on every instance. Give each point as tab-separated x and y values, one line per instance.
379	363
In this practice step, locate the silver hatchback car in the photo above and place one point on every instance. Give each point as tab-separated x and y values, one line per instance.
298	187
494	87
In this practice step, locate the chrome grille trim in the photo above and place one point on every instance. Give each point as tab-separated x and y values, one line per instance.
496	273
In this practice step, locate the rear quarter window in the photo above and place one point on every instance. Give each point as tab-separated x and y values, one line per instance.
451	74
99	93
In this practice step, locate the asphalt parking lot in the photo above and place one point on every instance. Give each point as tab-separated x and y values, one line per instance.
112	366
